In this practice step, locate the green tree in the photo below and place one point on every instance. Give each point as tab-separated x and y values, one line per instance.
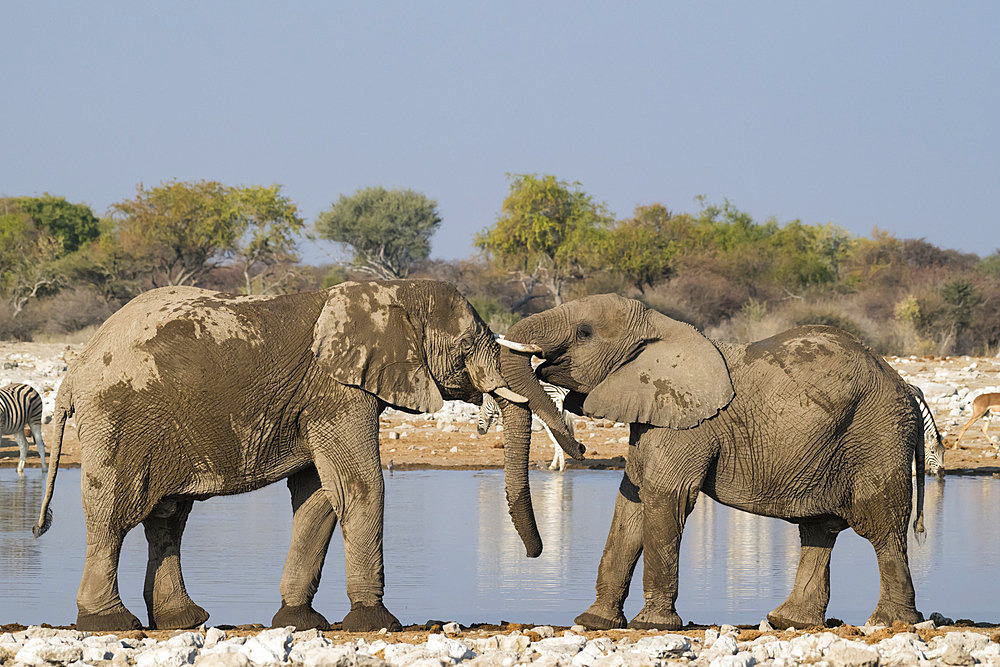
183	230
641	249
72	224
389	230
548	232
27	257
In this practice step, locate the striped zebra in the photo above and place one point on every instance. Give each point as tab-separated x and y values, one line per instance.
933	443
20	406
490	411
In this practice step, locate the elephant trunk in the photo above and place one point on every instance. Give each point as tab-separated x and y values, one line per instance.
515	366
516	447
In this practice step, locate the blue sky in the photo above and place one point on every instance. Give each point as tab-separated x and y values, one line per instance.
862	114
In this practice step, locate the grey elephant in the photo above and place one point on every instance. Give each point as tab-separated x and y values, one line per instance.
808	426
186	393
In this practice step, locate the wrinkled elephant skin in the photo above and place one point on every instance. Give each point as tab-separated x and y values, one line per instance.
808	426
184	394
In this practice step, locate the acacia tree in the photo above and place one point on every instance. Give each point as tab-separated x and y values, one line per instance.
183	230
548	232
389	230
35	232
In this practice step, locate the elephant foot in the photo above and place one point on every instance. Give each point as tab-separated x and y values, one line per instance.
301	617
649	619
120	619
178	618
601	618
791	615
372	618
885	614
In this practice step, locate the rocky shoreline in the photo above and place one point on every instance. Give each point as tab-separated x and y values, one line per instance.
450	644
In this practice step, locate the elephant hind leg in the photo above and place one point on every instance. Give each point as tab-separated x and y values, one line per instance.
167	601
897	599
806	604
99	607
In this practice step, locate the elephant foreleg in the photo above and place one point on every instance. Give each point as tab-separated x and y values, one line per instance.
621	553
664	514
806	604
312	527
167	601
347	460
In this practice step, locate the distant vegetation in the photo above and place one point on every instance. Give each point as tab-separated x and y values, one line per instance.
63	269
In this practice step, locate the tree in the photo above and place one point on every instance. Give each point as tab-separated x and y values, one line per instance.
641	249
27	255
548	232
183	230
389	230
72	224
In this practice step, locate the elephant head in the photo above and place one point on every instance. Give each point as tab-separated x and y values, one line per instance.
415	343
623	360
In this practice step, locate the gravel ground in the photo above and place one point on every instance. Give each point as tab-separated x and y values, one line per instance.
449	644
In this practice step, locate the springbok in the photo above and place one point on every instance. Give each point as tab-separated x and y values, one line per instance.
982	405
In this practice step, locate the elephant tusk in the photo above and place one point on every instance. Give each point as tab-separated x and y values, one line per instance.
526	348
510	395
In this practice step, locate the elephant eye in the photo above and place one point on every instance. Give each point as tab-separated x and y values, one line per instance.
584	331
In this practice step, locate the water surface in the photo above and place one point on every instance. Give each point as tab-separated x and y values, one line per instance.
452	554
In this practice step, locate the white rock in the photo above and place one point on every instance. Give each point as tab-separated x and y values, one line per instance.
578	628
222	659
925	625
195	639
664	646
765	626
269	645
711	634
567	646
724	645
852	654
452	628
514	642
213	636
742	659
42	650
453	648
544	631
167	656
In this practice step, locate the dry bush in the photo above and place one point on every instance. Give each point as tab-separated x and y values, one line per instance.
703	299
69	311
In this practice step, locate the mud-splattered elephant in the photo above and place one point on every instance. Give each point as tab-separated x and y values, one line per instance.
185	394
808	426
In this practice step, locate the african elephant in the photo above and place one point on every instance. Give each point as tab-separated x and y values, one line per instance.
185	394
808	426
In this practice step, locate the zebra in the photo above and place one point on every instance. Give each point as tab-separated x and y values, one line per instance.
490	411
20	406
933	443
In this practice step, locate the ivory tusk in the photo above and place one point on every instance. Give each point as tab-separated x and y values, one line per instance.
510	395
526	348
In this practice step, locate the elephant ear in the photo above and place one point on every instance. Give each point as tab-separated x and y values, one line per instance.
377	348
677	380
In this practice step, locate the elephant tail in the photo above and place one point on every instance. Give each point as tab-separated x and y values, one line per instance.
918	461
64	408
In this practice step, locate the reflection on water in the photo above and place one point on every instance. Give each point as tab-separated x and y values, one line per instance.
452	554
